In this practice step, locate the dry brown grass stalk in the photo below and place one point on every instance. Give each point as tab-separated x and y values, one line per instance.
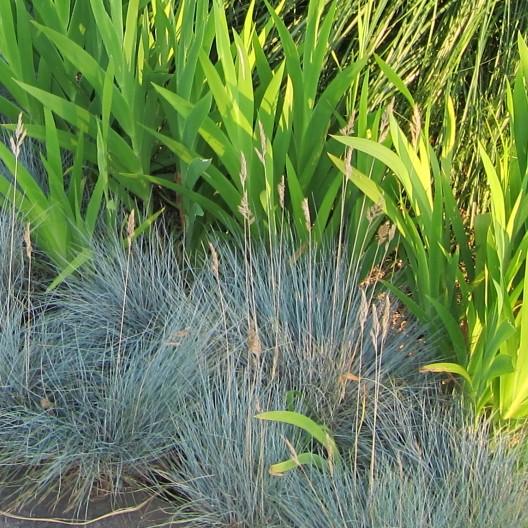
386	233
131	225
77	522
15	142
306	213
244	209
416	126
281	188
254	343
374	211
29	252
215	262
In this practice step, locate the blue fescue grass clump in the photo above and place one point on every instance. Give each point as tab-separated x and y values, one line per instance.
444	473
311	318
300	333
99	425
12	265
122	298
148	371
402	443
106	366
13	309
440	469
221	472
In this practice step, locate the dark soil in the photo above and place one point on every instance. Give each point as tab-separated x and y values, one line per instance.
134	511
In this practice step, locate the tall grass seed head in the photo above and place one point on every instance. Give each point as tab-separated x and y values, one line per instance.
215	263
306	213
17	140
281	188
131	225
27	240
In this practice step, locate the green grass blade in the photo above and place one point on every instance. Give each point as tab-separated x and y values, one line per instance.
130	37
395	79
305	423
80	259
451	368
302	459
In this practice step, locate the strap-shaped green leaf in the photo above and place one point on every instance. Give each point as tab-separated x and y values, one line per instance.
451	368
316	431
302	459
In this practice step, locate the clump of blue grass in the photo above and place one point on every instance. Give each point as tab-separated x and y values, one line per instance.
431	466
300	331
13	339
122	297
95	429
14	301
108	367
311	320
147	369
364	424
220	473
12	266
445	471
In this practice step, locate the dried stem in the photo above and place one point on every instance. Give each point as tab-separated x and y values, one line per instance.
29	253
16	146
131	224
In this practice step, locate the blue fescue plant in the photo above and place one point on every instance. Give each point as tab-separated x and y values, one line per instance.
126	292
13	303
442	471
299	332
149	372
220	471
96	408
12	265
432	466
310	316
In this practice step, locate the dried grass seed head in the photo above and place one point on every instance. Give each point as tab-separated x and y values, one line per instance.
243	170
244	209
363	308
281	189
349	127
27	240
215	262
254	343
376	274
386	233
374	211
131	226
17	140
306	213
416	125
